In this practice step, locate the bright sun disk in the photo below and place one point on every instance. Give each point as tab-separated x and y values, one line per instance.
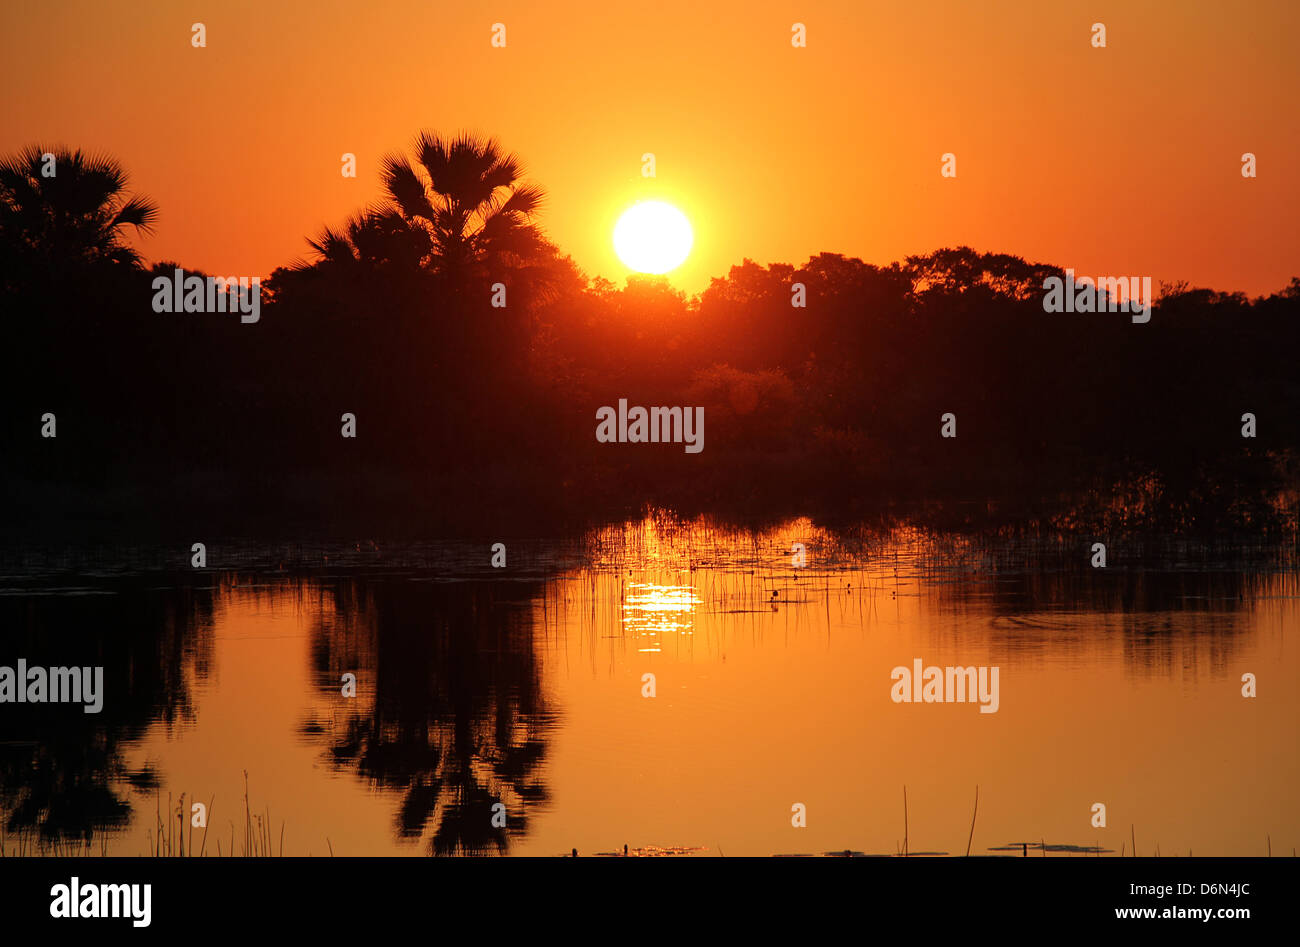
653	237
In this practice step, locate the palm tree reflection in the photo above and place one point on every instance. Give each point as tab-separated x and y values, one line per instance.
450	711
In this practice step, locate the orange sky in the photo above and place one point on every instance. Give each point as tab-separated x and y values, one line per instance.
1120	161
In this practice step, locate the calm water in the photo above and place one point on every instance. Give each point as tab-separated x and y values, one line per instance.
524	686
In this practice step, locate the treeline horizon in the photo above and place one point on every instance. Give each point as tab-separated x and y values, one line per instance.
472	416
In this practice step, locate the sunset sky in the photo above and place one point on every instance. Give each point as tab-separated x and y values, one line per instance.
1116	161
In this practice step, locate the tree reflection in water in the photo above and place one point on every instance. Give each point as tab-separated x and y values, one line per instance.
449	707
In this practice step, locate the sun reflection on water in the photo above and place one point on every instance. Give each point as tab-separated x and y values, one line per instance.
652	612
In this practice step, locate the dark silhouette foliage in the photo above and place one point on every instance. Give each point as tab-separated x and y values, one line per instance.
469	413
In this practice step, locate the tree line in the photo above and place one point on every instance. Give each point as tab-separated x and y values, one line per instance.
468	412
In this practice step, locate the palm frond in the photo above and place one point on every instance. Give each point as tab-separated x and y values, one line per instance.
138	213
405	187
526	200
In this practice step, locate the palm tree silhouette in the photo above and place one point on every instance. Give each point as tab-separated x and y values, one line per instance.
73	210
371	238
466	194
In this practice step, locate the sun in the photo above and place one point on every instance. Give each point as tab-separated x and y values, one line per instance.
653	237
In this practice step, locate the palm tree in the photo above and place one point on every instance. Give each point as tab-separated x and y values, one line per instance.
453	220
466	194
80	212
371	238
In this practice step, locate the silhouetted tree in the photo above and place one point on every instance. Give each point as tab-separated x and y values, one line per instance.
371	238
466	193
72	210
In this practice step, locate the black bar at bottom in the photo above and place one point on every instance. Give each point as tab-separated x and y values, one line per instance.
498	897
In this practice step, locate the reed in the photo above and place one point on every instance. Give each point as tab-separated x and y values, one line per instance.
971	837
904	821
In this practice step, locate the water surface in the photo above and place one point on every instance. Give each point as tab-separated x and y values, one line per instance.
524	687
